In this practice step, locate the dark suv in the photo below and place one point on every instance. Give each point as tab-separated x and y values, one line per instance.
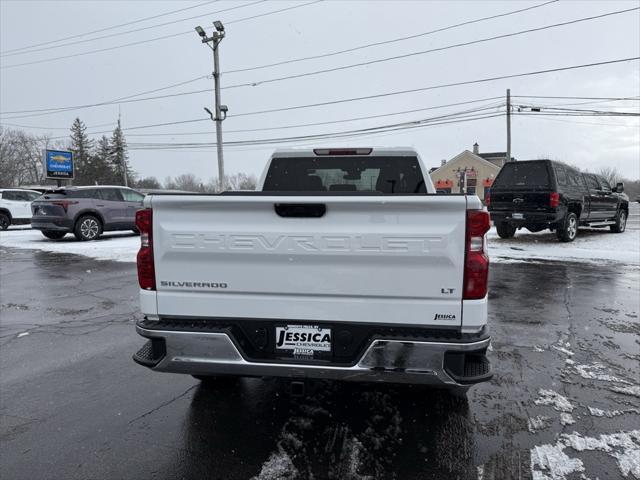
85	211
540	194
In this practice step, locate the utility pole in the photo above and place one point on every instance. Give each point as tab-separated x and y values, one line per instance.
220	110
508	125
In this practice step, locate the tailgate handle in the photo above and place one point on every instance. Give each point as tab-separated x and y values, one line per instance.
300	210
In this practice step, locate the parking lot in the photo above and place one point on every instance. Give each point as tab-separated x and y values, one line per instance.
564	401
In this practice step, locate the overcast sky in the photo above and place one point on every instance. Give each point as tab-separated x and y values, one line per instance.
315	29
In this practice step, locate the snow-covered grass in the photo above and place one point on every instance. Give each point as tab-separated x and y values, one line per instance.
590	246
594	246
118	246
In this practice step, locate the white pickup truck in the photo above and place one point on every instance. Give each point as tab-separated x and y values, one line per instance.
344	264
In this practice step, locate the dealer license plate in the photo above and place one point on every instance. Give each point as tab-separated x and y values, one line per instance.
517	216
303	341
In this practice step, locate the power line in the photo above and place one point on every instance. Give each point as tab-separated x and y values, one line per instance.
329	122
334	69
424	52
55	128
583	123
108	28
382	95
108	102
140	42
386	42
384	128
284	127
446	85
577	98
135	30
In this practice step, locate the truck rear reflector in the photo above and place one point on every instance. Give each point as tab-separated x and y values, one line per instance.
342	151
476	265
146	270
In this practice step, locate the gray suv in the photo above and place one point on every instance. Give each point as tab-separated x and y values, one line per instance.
85	211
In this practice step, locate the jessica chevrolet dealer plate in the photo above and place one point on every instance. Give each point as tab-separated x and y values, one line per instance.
303	340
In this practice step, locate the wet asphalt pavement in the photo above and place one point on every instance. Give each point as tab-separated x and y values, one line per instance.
73	405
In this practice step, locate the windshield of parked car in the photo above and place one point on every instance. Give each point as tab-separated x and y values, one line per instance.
525	174
344	174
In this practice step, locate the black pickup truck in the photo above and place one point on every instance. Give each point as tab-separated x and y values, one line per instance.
541	194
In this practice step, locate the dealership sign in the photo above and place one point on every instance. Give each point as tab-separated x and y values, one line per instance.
58	164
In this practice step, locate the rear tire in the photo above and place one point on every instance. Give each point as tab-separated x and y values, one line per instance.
567	230
53	235
505	230
88	227
5	221
621	222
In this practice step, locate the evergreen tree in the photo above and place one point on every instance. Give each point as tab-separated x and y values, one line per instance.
103	163
120	156
81	146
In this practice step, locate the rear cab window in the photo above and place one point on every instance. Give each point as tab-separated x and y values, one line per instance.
523	175
400	175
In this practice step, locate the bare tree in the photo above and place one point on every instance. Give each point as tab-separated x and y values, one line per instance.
188	182
241	181
21	158
611	174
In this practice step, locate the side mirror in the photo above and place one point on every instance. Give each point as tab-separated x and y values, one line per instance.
619	187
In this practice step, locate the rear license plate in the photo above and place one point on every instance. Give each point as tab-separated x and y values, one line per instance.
517	216
306	341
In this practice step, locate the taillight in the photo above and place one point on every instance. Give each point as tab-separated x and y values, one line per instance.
554	199
476	263
487	199
146	270
64	204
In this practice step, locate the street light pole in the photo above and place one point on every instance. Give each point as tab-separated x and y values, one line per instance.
220	110
216	81
508	159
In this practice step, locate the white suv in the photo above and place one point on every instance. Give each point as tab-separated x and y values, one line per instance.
15	206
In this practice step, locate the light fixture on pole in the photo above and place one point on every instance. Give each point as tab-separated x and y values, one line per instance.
220	110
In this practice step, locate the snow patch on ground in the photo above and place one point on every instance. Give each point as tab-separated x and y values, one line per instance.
596	412
594	246
537	423
118	246
557	401
596	371
632	390
550	462
278	467
562	349
566	419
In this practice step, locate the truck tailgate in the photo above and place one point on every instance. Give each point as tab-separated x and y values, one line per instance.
374	259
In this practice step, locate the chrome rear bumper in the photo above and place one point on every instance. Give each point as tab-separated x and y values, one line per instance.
393	361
